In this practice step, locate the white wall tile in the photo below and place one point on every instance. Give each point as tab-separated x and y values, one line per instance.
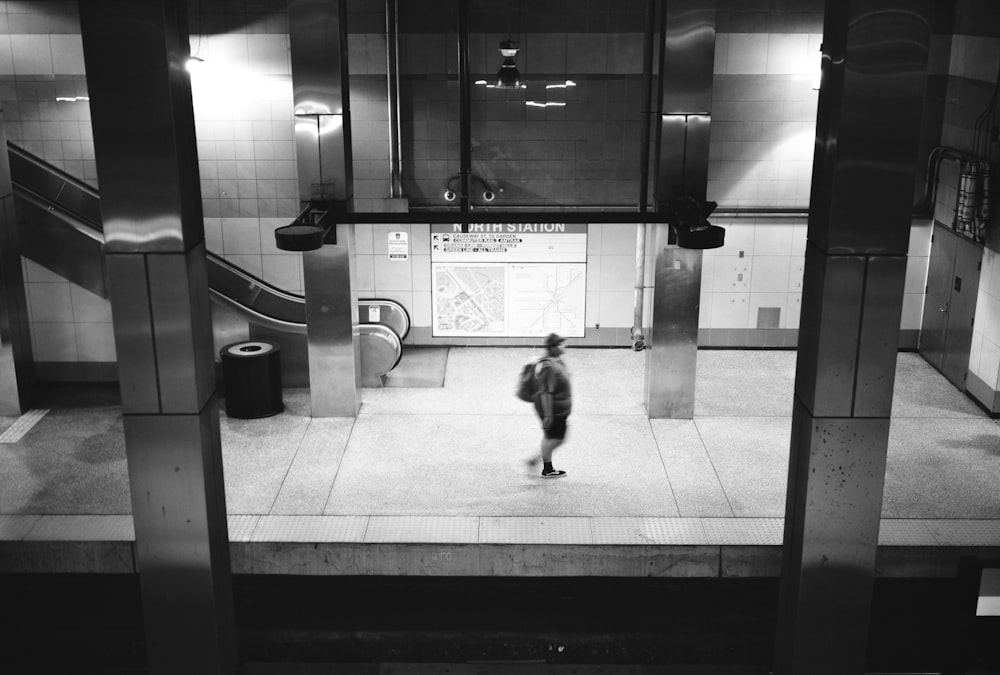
268	54
617	239
794	311
240	236
213	235
994	277
6	57
747	54
593	308
989	362
988	314
720	66
252	264
920	238
420	314
420	266
32	54
34	272
975	354
88	307
617	273
67	54
230	49
50	302
732	274
365	273
705	309
739	238
770	274
594	265
772	239
392	275
420	239
54	342
616	308
913	308
282	271
916	274
730	310
707	272
96	342
787	54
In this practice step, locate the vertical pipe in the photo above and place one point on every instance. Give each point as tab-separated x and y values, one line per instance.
392	63
640	232
465	103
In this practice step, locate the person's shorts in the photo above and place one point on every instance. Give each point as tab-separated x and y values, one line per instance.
558	427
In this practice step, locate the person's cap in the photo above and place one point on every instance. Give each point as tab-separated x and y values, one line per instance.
553	340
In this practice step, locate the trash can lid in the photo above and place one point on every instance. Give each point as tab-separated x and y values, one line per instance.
298	237
248	349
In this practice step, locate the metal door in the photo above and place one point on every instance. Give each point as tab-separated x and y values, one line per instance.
961	312
950	304
937	296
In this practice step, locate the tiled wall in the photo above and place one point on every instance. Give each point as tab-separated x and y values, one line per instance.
763	119
972	70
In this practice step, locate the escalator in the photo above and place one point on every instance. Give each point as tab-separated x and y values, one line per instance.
52	206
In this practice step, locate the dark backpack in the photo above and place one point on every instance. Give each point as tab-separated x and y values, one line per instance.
527	383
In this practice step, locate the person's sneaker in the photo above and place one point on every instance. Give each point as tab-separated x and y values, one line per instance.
555	473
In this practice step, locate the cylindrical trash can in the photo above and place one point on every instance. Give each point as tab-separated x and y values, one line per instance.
252	375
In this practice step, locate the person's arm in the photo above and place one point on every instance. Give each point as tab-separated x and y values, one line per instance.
545	395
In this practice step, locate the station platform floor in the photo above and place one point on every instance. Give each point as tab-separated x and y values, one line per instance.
430	477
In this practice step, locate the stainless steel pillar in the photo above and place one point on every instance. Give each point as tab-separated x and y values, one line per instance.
673	358
144	142
334	352
318	42
17	374
874	66
687	62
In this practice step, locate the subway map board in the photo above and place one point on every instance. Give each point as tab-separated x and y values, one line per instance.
509	279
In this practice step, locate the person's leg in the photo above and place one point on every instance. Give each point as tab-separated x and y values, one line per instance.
548	445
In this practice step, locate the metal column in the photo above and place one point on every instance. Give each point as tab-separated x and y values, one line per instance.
135	54
318	43
17	375
688	58
868	123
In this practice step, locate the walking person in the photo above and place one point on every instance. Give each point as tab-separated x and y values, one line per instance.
553	402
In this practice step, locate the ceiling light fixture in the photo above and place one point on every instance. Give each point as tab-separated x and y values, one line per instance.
508	77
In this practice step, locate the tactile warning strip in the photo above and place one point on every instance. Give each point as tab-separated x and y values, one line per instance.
527	530
82	528
965	532
241	527
744	531
310	529
22	425
423	529
651	531
14	527
904	532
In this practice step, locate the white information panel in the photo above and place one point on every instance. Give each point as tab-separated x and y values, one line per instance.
509	279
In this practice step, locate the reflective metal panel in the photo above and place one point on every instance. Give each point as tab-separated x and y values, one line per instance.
874	73
136	103
182	542
832	296
672	355
334	368
885	278
182	330
688	56
670	170
130	307
17	381
834	502
318	42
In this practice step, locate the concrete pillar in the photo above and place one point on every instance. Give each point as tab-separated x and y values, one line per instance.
867	133
144	141
17	370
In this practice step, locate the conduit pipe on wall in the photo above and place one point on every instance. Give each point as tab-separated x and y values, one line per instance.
638	341
392	63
